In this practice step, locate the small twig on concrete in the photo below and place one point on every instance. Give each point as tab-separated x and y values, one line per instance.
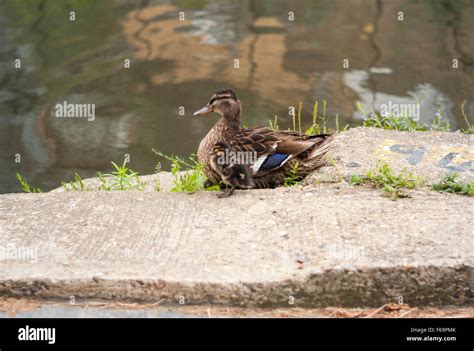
333	313
126	304
376	311
408	312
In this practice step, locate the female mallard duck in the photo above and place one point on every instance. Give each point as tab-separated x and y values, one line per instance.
269	155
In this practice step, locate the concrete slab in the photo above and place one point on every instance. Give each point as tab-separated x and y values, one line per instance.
427	154
331	245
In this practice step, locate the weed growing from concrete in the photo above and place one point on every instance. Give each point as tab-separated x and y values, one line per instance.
123	178
382	176
470	128
452	184
76	185
188	175
372	120
293	178
26	187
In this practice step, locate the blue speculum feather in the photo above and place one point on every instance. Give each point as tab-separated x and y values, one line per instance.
274	161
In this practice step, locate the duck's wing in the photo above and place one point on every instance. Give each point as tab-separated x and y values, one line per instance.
269	150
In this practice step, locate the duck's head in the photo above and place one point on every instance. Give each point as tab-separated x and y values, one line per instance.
224	102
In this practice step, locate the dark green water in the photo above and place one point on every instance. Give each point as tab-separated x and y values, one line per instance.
178	63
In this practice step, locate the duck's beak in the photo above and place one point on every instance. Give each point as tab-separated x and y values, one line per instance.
205	110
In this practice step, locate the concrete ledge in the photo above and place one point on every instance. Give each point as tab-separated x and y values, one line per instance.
320	246
427	154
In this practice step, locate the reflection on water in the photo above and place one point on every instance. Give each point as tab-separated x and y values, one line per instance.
178	63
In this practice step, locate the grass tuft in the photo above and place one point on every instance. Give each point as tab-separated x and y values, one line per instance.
452	184
192	179
470	128
293	178
76	185
26	187
372	120
274	125
382	176
123	178
407	124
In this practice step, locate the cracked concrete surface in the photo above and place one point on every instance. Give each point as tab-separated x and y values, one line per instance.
319	245
331	245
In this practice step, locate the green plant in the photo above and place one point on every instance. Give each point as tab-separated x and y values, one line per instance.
123	178
357	179
189	181
293	178
319	124
188	175
382	176
319	127
452	184
338	129
372	120
401	123
438	125
26	187
299	116
393	123
274	125
333	163
76	185
470	128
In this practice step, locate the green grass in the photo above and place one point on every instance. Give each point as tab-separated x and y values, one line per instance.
401	123
157	185
382	176
192	179
320	121
470	128
26	187
123	178
393	123
452	184
274	125
319	124
76	185
293	178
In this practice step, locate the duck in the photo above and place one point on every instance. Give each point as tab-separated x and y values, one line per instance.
266	156
234	175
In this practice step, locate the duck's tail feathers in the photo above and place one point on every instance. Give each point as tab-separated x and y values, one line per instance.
319	154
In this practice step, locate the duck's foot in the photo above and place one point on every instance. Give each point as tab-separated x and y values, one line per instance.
226	193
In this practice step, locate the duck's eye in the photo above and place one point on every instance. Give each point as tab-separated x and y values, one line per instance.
225	103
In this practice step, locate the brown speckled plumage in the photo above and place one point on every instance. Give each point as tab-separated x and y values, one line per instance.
310	152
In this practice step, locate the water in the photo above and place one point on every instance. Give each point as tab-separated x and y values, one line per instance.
181	63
